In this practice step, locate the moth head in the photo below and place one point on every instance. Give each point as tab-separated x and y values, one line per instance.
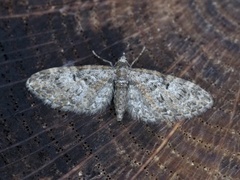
122	61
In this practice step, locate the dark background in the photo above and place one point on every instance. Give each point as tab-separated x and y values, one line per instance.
194	40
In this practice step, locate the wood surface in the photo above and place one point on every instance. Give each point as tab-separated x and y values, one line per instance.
195	40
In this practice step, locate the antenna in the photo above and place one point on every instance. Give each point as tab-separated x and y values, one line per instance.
143	49
102	58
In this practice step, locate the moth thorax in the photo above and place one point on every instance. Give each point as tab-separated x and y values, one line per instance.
122	73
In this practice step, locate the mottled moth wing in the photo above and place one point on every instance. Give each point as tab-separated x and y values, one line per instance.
84	89
153	97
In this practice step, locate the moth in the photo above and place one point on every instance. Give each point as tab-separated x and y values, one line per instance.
145	94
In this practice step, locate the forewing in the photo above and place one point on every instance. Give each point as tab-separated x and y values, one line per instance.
153	97
84	89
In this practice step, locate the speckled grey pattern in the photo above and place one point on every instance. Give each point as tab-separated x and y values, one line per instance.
146	95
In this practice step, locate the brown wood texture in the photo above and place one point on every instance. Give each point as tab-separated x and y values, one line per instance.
194	40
